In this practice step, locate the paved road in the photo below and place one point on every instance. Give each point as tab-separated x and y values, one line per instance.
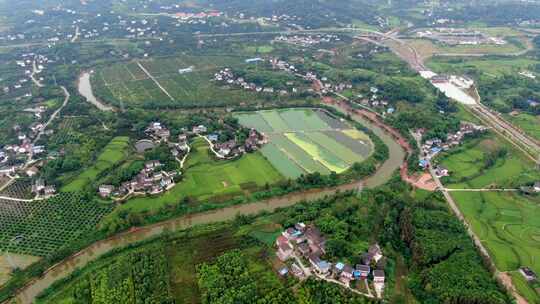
529	146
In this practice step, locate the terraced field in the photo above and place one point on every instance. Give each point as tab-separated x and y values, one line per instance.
507	223
308	140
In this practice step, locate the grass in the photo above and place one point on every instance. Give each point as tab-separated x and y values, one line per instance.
524	288
206	178
112	154
508	223
466	164
263	49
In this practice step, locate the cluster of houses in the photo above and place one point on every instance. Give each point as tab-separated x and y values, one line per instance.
432	147
306	40
373	101
232	148
150	180
10	153
306	243
158	132
322	84
202	15
226	76
531	189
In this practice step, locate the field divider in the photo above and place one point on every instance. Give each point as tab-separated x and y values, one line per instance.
155	80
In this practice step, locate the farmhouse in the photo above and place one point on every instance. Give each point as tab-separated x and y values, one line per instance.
106	190
528	274
378	276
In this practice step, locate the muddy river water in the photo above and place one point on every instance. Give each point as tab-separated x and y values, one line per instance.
63	269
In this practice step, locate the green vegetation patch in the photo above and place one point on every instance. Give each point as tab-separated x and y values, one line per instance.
527	122
111	155
206	178
330	160
44	227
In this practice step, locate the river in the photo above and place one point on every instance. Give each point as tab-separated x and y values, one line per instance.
85	89
64	268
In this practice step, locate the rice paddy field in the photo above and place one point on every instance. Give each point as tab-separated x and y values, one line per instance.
206	178
308	140
128	85
508	223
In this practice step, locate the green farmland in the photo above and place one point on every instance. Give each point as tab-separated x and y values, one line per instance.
306	141
112	154
206	178
508	223
129	86
528	123
44	227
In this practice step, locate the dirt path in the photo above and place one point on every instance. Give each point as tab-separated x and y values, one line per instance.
77	34
155	80
33	75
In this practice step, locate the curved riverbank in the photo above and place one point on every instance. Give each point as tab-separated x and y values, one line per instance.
64	268
85	89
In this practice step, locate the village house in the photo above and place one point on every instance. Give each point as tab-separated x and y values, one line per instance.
321	266
362	271
158	132
32	171
106	190
378	276
150	165
200	129
528	274
284	249
346	274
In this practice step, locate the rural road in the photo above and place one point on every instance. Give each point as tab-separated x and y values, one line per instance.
53	116
477	242
155	80
33	75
